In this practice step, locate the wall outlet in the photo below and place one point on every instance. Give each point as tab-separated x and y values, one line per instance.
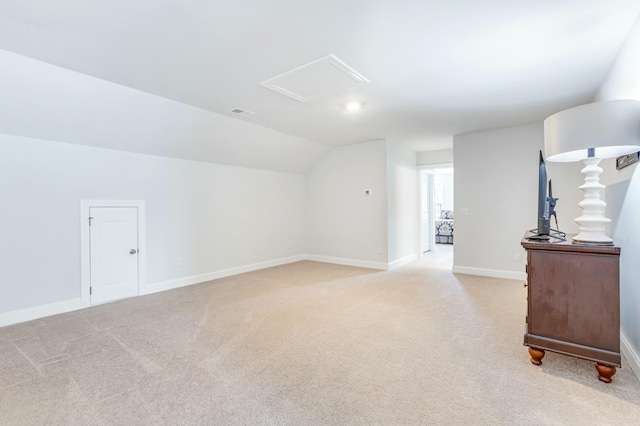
379	250
464	211
368	192
517	257
180	263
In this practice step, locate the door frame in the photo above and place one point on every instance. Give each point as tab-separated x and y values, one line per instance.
85	247
432	232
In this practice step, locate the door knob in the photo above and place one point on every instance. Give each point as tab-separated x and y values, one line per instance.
133	251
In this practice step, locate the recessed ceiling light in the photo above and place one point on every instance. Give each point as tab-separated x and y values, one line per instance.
353	106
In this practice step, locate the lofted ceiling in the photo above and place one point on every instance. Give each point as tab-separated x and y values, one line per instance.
436	67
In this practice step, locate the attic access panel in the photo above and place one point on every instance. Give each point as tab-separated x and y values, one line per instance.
317	78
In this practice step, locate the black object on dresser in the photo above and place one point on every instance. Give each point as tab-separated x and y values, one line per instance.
573	302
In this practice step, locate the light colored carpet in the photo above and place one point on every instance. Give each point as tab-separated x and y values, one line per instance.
305	344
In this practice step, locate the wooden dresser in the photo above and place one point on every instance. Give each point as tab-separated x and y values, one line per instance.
573	302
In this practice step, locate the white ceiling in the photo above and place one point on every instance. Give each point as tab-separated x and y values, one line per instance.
437	67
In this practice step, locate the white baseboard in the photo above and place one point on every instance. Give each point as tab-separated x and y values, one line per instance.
348	262
494	273
403	261
32	313
28	314
632	357
200	278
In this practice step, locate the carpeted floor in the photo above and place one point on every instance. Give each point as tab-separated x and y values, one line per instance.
305	344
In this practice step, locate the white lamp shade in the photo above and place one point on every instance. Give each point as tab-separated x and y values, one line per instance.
611	127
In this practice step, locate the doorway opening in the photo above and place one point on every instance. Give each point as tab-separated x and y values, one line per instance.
436	210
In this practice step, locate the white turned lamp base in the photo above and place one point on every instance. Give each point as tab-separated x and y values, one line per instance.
592	221
593	131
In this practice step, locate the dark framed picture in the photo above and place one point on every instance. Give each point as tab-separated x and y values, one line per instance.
627	160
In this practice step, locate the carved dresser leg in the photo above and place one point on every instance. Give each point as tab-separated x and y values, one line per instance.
536	355
605	372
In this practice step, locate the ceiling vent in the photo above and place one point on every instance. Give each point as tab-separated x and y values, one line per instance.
317	78
242	112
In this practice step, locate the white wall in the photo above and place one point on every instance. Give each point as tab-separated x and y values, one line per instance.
47	102
428	158
215	217
403	204
496	178
344	225
623	198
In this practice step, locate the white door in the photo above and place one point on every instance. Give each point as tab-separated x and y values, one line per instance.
113	243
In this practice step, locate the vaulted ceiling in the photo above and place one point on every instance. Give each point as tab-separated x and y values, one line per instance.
436	67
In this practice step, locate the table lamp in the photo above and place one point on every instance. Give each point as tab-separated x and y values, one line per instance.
589	133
